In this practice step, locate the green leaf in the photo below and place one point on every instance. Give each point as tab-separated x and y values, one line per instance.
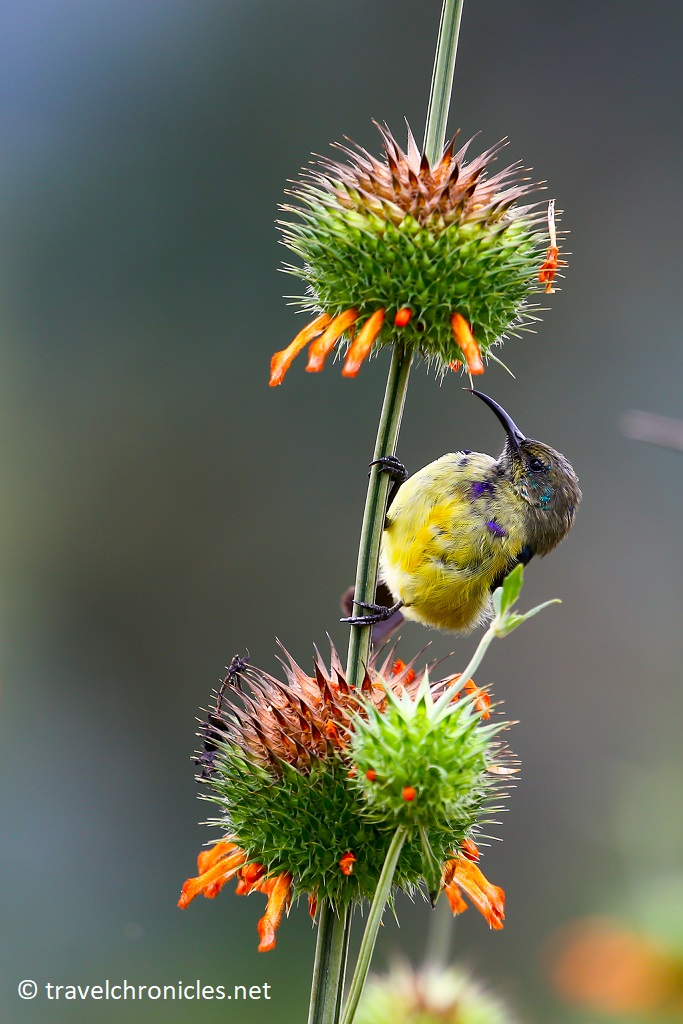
512	620
511	588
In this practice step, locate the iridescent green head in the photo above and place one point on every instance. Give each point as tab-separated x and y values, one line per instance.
543	479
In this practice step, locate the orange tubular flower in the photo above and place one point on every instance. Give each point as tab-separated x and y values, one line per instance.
346	863
249	877
469	849
226	860
489	899
546	274
465	341
400	666
362	346
282	361
601	965
279	892
482	702
455	900
207	858
216	867
321	348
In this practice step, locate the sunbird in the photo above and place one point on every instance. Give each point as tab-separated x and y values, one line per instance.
456	528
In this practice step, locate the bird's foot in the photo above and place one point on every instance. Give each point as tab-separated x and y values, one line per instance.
376	613
398	474
393	466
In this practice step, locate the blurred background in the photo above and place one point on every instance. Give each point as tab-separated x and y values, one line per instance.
162	509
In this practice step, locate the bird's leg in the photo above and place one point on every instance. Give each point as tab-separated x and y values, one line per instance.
381	630
377	613
397	472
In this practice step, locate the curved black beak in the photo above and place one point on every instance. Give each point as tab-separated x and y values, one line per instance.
515	435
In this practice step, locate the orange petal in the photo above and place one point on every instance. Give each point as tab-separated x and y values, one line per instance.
450	684
282	361
546	274
469	849
455	900
466	343
278	900
312	904
362	346
207	858
399	666
211	881
346	863
455	366
212	890
249	877
482	702
320	349
489	899
403	316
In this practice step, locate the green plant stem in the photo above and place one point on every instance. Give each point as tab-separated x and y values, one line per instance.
330	964
438	937
474	663
442	78
333	932
375	511
332	948
379	902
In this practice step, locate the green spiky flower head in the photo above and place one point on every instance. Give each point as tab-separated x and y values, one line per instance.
290	765
423	760
442	259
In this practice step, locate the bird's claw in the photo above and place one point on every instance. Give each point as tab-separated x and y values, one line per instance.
378	613
393	466
398	474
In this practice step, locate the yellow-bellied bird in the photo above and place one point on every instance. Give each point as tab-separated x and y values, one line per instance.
456	528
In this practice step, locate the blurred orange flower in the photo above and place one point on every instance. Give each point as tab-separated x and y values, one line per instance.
600	964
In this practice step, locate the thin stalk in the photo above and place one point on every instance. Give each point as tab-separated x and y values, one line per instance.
379	902
375	511
438	937
330	964
442	78
474	663
330	958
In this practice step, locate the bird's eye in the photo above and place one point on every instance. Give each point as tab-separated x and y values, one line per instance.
536	465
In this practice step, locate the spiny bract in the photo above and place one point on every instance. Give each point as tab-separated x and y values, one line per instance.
444	251
286	777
